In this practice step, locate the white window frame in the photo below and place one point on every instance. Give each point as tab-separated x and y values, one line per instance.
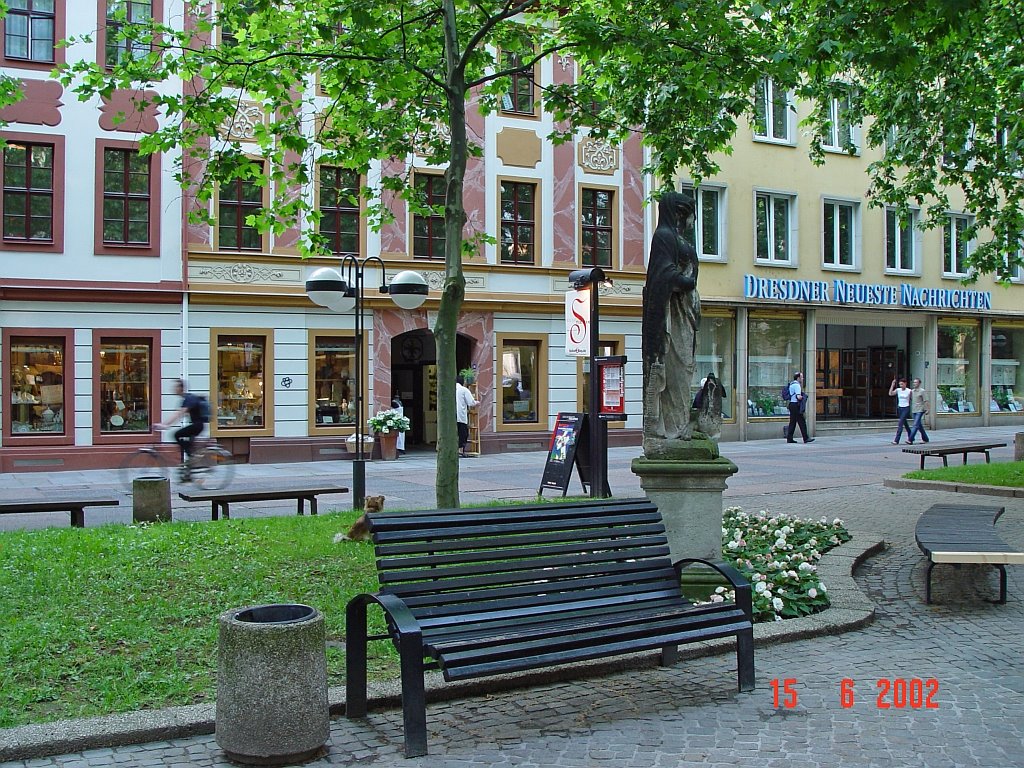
915	244
834	142
854	206
1018	273
793	225
766	91
948	229
698	197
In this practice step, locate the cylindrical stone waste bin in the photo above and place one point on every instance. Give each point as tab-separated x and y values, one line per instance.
272	684
151	500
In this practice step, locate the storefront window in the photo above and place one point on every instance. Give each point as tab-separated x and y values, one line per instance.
37	385
1007	386
957	368
716	353
776	353
125	386
519	380
334	383
240	367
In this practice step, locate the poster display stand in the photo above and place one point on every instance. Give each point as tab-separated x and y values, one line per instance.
569	447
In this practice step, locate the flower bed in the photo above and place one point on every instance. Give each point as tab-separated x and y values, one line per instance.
779	554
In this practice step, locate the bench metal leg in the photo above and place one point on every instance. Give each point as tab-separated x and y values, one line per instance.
988	459
217	508
1002	583
928	584
945	460
301	509
669	655
745	659
78	517
414	699
922	461
355	659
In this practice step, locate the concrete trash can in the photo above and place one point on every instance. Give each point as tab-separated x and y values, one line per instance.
151	500
272	684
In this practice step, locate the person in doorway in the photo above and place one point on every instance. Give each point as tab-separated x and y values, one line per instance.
797	405
191	406
396	403
464	400
919	409
903	395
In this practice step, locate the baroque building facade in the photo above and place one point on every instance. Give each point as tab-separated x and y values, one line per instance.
109	292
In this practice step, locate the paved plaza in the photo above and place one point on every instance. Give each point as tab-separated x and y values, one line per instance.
966	652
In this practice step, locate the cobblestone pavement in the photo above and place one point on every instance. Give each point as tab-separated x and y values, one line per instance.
690	714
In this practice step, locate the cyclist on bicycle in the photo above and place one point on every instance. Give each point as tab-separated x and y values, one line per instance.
193	406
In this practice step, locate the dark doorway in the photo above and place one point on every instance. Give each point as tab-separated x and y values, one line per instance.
855	366
414	380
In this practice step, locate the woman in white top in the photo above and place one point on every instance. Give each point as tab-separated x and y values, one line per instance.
903	394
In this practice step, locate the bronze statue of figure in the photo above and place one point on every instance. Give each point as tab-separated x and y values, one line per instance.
671	316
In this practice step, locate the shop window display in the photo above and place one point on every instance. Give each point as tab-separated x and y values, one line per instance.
125	368
334	384
957	376
519	382
240	368
1007	385
716	353
37	386
776	353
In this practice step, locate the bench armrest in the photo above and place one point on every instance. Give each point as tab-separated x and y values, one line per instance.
744	599
398	613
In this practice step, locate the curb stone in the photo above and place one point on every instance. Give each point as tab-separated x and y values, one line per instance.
850	610
937	485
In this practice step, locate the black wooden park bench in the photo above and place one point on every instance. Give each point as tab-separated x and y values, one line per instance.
965	534
221	498
496	590
946	449
75	502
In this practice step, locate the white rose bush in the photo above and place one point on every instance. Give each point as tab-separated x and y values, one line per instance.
779	555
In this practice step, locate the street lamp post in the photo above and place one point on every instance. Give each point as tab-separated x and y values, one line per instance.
591	279
327	288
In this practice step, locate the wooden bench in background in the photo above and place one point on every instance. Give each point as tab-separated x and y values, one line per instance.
965	534
946	449
220	499
496	590
75	502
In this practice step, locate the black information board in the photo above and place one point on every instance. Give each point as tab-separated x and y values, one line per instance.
568	439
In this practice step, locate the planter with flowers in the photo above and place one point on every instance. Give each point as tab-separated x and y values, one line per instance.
387	426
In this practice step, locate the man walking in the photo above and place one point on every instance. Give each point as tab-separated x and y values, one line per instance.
797	403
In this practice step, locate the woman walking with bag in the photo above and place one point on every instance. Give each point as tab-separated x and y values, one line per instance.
903	394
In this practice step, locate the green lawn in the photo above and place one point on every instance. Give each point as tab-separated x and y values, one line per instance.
118	618
1007	473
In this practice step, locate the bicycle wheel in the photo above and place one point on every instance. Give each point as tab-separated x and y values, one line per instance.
143	463
213	468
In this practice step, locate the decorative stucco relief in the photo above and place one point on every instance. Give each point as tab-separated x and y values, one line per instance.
40	104
618	289
245	274
130	112
242	125
598	156
435	281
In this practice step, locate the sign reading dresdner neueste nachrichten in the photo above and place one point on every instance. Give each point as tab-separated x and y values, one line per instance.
861	294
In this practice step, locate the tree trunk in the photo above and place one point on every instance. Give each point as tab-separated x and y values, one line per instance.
454	291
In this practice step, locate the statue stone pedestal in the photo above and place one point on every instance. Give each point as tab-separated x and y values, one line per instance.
687	486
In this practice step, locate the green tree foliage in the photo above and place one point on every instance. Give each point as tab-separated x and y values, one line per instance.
349	82
939	84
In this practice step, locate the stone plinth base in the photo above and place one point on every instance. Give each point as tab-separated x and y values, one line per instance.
689	496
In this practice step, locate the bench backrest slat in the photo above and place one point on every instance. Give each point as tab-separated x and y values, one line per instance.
455	566
496	562
431	546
